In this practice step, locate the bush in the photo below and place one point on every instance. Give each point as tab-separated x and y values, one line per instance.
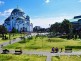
34	47
64	36
30	38
4	38
55	40
74	47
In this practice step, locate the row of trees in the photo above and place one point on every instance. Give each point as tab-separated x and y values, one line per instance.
65	27
3	32
41	30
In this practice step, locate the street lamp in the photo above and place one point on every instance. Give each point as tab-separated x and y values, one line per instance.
49	29
24	33
9	33
42	41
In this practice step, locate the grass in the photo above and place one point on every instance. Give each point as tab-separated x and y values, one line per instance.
10	57
2	41
45	44
66	58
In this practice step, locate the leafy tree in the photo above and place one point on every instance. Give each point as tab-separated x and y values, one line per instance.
14	30
55	27
3	31
66	26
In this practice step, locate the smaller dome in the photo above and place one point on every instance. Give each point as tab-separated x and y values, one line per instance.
27	17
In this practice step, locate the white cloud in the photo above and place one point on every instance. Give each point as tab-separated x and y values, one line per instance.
79	0
44	22
1	2
47	1
6	13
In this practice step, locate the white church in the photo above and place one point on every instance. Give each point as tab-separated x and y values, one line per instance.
19	21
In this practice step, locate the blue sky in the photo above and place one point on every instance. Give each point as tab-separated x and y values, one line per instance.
42	12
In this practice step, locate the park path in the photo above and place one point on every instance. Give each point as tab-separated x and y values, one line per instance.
45	53
48	58
12	41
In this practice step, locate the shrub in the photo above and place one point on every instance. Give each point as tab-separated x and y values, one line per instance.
74	47
55	40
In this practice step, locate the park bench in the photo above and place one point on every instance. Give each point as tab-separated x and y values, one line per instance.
18	51
5	51
68	50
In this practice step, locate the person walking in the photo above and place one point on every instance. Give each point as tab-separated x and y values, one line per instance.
61	50
53	50
56	50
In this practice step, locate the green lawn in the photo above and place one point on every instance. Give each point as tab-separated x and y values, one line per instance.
45	44
16	35
10	57
66	58
2	41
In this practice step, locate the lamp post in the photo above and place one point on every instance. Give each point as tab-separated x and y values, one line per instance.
21	32
42	41
9	33
49	29
24	34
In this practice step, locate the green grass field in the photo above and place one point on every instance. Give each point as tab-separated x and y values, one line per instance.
45	44
10	57
66	58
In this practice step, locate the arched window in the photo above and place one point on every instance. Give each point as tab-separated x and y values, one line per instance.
12	18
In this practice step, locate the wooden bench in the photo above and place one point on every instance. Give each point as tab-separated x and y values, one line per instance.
18	51
5	51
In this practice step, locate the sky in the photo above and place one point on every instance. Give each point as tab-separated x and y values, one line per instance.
42	12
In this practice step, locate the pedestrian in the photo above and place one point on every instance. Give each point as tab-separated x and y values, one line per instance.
1	45
56	50
61	50
52	50
9	42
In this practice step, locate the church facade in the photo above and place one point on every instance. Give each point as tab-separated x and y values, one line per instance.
19	21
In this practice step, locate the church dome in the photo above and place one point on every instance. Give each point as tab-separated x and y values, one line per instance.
20	18
17	10
27	17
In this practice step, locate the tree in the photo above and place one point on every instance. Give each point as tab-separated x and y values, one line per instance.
14	31
3	31
55	27
66	26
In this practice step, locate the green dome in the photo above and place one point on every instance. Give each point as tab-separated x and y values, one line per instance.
17	10
20	18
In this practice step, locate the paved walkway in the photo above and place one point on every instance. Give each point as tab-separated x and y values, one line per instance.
13	41
48	54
